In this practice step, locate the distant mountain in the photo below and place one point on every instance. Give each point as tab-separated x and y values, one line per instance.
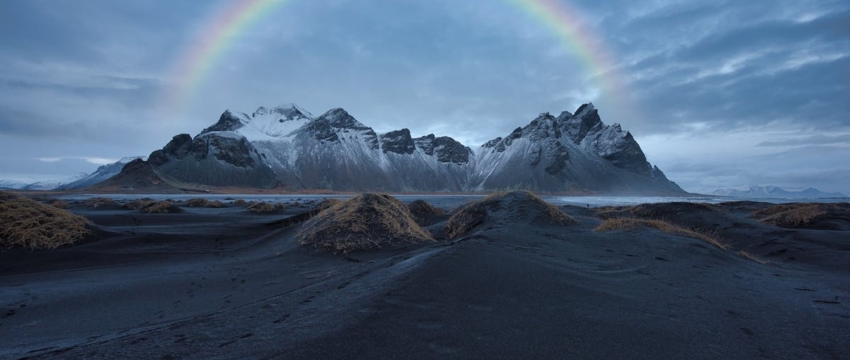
103	173
777	193
286	146
39	185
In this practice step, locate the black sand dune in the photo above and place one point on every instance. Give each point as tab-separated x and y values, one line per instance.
225	283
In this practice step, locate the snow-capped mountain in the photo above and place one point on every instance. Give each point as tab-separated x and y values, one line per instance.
217	158
776	193
40	185
103	173
568	153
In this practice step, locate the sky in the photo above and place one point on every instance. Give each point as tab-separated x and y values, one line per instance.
717	93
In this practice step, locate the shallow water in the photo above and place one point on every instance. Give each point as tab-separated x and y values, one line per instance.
447	200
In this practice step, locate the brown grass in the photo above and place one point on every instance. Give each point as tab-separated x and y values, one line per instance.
367	221
792	215
200	202
261	207
624	223
280	206
100	202
326	204
471	215
139	204
29	224
239	202
161	207
753	257
59	204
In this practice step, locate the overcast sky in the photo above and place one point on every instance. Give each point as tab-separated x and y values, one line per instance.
719	93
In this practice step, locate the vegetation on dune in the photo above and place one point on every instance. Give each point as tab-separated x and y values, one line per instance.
29	224
367	221
161	207
200	202
139	204
100	202
624	223
797	214
261	207
59	204
516	205
240	202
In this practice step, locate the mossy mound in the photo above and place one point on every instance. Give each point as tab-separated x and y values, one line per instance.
364	222
507	207
139	204
261	207
161	207
806	215
424	213
200	202
101	203
29	224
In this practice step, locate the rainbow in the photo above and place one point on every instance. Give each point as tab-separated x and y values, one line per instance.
234	17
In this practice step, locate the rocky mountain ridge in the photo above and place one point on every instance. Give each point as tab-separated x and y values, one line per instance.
287	147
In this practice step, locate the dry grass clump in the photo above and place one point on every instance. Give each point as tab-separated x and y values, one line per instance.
624	223
423	208
161	207
280	206
367	221
239	202
753	257
261	207
325	204
30	224
59	204
139	204
511	206
201	202
793	215
100	202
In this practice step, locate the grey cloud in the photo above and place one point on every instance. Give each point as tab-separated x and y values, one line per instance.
818	139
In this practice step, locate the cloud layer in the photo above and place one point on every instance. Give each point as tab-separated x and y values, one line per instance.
725	93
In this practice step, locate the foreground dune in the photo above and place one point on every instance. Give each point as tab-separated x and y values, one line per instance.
224	282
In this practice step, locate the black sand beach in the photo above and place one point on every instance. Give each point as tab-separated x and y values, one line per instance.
221	283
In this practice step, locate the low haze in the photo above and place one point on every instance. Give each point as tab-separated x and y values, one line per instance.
718	94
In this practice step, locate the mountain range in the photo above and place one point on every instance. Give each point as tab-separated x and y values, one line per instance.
777	193
289	148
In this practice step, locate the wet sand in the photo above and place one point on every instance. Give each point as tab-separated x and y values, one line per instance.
226	283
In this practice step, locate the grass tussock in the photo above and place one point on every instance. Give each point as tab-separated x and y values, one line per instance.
423	208
240	202
59	204
29	224
261	207
280	206
139	204
100	202
161	207
753	257
625	223
512	206
204	203
793	215
325	204
367	221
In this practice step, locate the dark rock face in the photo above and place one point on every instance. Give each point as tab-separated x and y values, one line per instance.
585	121
214	158
227	122
336	122
448	150
570	152
286	113
398	142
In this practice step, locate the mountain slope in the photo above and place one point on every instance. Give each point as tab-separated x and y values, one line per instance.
103	173
286	146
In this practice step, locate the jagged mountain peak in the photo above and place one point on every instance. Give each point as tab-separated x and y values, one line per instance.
286	112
